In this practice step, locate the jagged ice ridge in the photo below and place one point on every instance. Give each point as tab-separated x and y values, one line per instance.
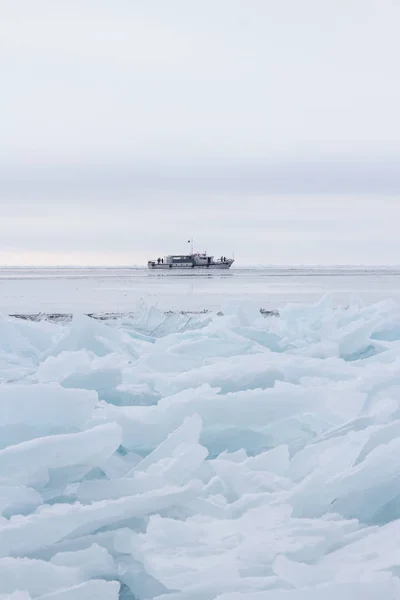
205	457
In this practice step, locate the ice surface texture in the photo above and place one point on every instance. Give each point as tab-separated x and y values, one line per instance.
231	456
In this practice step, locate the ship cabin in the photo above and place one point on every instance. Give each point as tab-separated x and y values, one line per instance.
179	259
183	260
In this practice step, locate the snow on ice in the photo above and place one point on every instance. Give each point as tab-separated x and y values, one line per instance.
229	456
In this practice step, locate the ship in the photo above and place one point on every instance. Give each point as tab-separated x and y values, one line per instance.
193	260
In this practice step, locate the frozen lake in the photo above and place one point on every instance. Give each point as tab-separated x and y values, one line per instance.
206	457
120	289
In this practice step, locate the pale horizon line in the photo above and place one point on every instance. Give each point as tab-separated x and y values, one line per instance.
234	267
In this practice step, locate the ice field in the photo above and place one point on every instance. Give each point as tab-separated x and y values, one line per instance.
226	455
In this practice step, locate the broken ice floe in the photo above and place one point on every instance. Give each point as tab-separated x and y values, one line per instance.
202	457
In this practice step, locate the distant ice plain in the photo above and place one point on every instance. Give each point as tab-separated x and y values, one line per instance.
76	290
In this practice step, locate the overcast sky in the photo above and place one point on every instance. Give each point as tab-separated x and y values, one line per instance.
265	127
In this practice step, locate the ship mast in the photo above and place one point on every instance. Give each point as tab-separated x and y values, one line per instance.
191	245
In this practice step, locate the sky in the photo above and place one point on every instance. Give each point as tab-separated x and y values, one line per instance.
268	129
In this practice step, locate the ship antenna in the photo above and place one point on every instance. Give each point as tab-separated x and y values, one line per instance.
191	245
